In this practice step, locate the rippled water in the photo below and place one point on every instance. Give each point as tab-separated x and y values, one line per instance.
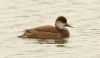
17	15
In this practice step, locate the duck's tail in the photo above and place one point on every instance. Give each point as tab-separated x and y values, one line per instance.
27	34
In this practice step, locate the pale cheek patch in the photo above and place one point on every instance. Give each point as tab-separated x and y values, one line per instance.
60	25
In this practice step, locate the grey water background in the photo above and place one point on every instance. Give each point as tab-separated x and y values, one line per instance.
18	15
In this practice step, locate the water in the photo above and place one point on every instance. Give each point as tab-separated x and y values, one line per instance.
17	15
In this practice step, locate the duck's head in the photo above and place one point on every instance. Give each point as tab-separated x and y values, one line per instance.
61	22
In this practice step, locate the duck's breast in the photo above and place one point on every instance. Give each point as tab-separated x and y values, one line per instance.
65	33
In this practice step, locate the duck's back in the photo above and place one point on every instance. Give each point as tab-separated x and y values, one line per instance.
47	28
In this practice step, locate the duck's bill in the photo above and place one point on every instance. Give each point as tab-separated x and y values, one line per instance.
68	25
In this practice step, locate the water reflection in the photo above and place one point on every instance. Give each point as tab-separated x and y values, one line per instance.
52	41
59	42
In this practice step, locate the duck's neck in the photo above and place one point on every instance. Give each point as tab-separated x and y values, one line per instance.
60	31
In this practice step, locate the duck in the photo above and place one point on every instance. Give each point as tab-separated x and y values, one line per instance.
49	32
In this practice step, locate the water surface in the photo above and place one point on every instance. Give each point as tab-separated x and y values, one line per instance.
18	15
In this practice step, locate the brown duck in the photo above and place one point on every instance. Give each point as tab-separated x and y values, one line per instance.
49	32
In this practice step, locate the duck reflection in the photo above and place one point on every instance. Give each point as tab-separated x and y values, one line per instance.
58	42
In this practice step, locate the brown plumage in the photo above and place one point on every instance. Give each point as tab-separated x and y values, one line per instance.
49	32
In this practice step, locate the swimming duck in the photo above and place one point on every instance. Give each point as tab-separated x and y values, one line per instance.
49	32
